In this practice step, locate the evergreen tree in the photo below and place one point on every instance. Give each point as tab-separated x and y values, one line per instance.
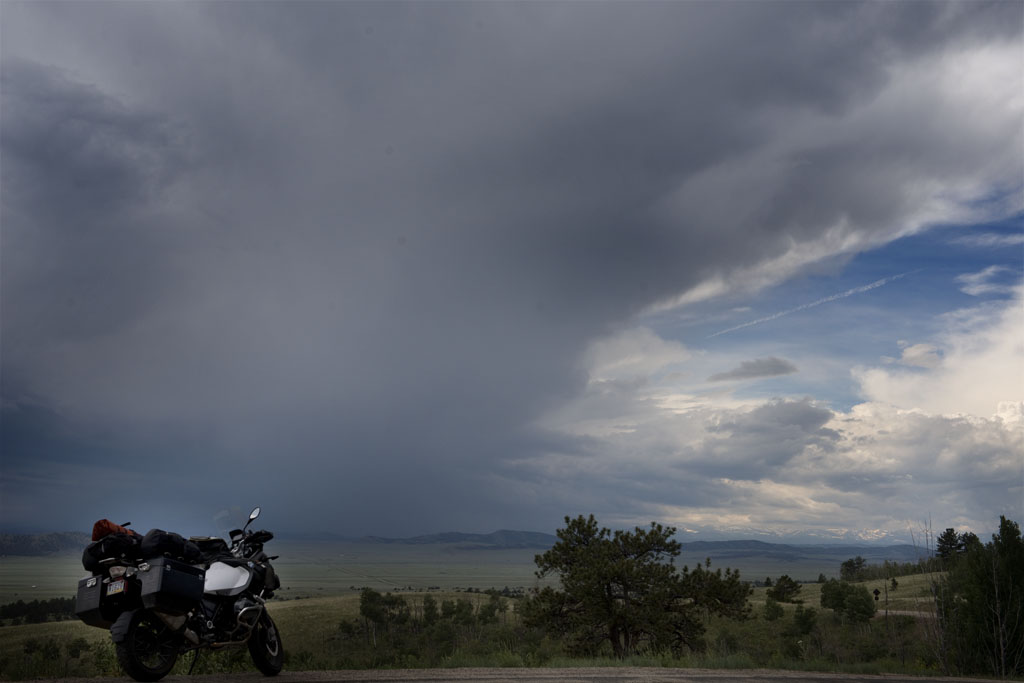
981	606
785	589
622	589
948	544
852	569
430	613
852	603
772	609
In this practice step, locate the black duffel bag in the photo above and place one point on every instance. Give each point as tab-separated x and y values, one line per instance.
160	543
124	548
211	548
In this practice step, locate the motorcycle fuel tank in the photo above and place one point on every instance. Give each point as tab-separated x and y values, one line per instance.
223	579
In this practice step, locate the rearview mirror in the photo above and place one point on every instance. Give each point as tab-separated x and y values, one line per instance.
254	514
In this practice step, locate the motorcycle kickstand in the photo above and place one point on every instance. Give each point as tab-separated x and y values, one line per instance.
195	658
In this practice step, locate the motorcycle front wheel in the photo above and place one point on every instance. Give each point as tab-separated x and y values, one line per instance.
149	649
265	646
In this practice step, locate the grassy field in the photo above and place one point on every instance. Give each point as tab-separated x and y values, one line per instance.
39	578
314	570
317	569
913	594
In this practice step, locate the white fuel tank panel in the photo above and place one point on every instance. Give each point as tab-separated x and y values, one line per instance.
224	579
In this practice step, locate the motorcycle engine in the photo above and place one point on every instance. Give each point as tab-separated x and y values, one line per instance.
247	613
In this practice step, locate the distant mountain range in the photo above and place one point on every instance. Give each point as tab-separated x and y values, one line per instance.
722	551
43	544
498	540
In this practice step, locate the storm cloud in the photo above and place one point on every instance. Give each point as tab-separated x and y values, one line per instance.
753	369
342	259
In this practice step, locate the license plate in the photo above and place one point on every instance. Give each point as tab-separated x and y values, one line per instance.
115	587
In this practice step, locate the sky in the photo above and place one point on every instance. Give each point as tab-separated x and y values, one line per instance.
753	270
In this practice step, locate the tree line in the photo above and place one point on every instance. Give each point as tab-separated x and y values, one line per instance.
857	569
38	611
980	602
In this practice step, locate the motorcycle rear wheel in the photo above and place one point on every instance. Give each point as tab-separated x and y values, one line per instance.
265	646
149	649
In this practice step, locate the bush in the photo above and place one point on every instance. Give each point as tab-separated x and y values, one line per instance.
772	609
804	619
852	603
785	589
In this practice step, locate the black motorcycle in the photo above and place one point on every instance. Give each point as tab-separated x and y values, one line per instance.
162	595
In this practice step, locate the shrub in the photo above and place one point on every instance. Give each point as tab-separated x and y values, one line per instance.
772	609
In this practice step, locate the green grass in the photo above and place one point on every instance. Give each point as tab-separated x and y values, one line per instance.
312	569
913	594
15	663
39	578
13	638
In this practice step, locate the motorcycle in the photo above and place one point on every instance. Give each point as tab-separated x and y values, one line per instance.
162	596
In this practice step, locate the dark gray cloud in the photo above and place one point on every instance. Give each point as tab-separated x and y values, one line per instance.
753	369
752	445
354	251
85	251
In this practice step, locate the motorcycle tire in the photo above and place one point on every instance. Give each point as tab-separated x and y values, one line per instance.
265	646
149	649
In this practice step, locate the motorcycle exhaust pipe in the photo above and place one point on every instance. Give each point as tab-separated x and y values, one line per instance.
175	623
228	643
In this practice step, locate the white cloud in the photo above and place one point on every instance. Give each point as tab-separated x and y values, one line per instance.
633	353
977	284
990	239
789	466
982	364
921	355
796	466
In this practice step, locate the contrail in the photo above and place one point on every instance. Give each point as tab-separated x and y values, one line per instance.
834	297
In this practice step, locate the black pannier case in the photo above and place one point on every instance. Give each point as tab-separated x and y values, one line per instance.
94	607
170	586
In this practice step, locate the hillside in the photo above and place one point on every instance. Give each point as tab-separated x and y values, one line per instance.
505	539
497	540
874	554
43	544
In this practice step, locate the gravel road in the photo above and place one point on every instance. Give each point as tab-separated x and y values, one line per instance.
601	675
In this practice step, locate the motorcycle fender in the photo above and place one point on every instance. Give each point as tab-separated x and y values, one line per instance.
119	629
